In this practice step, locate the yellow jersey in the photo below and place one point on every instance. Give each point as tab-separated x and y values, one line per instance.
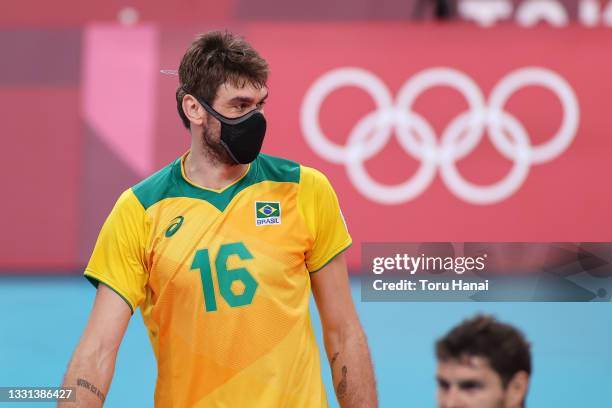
222	278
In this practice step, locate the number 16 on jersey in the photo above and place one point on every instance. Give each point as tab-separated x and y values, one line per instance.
225	277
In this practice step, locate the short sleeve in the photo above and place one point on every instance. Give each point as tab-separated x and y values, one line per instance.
321	210
118	259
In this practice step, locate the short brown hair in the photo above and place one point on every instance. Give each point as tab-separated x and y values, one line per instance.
502	345
213	59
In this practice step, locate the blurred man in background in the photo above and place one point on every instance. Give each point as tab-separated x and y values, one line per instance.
220	250
483	363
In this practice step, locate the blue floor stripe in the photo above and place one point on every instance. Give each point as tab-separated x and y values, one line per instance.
42	319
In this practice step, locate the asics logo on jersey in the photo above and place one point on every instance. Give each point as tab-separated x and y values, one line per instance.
175	224
267	213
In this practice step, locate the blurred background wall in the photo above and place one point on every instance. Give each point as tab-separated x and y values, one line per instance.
86	113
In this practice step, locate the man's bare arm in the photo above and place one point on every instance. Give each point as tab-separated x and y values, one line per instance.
345	341
93	363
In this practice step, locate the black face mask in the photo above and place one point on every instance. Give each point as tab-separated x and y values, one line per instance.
243	136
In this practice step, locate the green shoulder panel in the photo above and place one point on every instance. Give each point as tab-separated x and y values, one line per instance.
157	186
169	183
277	169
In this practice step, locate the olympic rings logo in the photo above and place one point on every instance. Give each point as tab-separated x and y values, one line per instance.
418	139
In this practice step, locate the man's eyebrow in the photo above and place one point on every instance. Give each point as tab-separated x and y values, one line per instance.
245	99
470	384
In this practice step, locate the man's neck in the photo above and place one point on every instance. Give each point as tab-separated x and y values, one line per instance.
203	171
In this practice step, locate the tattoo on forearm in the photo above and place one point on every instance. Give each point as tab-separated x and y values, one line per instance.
334	359
342	385
86	384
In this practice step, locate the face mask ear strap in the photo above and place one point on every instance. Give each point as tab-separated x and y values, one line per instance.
210	110
204	104
225	119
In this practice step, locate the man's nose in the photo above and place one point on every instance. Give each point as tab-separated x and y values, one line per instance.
452	398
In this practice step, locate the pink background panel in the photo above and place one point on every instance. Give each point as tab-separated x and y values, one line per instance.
39	163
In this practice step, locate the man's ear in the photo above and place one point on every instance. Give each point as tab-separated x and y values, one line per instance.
516	391
193	110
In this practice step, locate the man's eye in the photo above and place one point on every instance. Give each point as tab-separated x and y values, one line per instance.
260	105
470	385
443	384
